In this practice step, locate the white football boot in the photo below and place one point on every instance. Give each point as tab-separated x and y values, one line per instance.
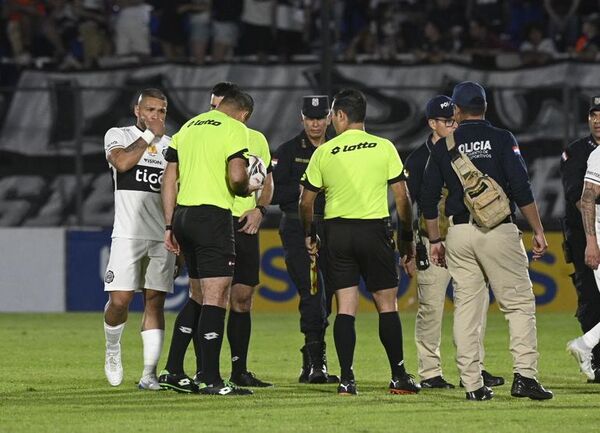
113	367
583	355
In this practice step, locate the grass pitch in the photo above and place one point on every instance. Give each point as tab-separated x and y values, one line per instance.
53	381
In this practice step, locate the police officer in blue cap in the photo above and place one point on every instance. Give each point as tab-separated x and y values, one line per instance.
290	161
432	281
476	255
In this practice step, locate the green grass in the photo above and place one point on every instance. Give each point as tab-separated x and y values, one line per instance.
53	380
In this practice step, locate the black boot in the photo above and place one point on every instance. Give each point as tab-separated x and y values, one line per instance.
331	378
318	370
305	366
317	360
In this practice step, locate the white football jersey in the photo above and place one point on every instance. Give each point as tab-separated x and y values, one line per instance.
138	206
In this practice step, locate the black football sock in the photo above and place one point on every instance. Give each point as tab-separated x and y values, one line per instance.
390	334
210	333
183	329
344	336
239	326
196	341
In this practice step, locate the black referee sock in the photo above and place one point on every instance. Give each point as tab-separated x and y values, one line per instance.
344	336
196	340
185	326
390	334
210	333
239	326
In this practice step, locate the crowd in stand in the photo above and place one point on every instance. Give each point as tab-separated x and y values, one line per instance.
83	34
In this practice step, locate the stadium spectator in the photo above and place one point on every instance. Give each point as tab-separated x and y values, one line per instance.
482	43
537	49
291	21
520	15
435	45
25	17
197	15
491	12
93	30
61	29
356	33
226	21
170	29
563	22
132	28
588	44
258	28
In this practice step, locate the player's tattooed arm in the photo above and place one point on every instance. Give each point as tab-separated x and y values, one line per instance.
125	158
591	192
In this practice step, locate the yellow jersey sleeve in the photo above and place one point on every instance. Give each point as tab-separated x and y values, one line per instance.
238	143
395	165
312	177
175	140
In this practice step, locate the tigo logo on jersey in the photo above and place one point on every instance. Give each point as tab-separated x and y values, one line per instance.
152	179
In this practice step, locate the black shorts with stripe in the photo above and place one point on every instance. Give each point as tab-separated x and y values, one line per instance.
247	256
360	248
205	235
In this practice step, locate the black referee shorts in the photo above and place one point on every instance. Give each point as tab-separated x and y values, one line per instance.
247	256
205	235
358	248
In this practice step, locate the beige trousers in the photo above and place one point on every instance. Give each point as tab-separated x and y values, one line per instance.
476	256
431	292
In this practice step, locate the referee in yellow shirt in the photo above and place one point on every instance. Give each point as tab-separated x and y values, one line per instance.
355	169
207	157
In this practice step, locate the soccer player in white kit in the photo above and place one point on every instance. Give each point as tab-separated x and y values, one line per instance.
138	259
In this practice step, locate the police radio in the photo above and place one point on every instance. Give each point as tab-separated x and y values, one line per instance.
421	250
422	256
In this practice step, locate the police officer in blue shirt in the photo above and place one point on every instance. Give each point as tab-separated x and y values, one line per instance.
573	165
477	255
433	280
290	161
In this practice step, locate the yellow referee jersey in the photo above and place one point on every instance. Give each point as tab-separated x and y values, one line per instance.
354	169
204	146
257	146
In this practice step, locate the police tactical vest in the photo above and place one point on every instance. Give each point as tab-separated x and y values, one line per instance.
486	200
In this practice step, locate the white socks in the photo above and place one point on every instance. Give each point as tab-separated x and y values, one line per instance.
592	337
153	341
112	334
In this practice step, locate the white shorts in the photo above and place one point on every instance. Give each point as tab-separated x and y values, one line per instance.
136	264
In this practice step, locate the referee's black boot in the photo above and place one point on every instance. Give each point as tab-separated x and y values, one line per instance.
529	387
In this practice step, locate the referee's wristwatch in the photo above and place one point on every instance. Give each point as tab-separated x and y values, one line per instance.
262	209
168	227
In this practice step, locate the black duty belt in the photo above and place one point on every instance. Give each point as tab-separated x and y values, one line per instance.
466	218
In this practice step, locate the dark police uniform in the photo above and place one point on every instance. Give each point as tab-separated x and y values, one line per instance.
290	162
573	165
476	255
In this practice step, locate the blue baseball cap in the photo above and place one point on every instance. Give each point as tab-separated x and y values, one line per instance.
469	94
439	106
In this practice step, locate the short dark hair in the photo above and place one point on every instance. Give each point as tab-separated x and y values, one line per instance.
478	110
223	87
353	103
238	99
151	93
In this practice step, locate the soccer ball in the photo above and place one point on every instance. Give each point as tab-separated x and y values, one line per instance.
257	171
